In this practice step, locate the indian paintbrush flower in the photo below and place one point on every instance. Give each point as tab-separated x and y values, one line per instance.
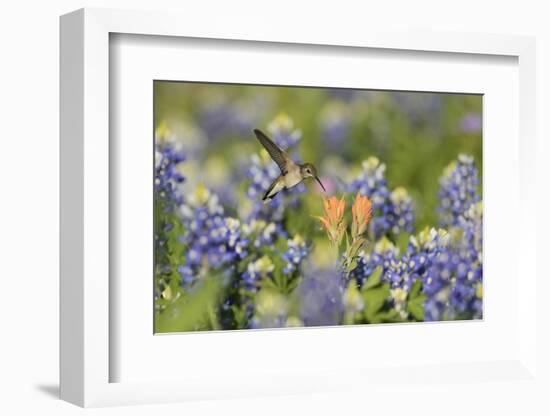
333	220
361	213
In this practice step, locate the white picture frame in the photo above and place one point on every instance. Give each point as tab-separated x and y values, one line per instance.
87	356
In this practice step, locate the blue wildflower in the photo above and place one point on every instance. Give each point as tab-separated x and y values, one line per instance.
168	157
256	270
270	310
392	211
372	182
452	273
419	107
471	123
294	255
261	233
283	132
168	196
334	123
458	190
219	117
400	211
321	297
209	236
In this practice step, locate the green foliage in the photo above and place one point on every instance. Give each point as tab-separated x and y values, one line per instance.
374	279
193	312
167	282
415	301
375	295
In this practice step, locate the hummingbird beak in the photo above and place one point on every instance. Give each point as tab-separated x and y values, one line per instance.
320	183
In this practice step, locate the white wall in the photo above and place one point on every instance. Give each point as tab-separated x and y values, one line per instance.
29	83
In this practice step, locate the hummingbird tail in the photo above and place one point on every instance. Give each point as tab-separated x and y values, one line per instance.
269	196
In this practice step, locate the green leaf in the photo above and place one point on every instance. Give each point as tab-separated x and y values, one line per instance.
351	266
415	301
374	301
374	279
415	289
402	242
391	316
293	284
191	312
268	284
416	307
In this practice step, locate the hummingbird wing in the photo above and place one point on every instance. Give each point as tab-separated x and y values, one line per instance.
279	156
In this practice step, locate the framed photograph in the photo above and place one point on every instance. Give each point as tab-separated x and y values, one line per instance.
282	213
242	241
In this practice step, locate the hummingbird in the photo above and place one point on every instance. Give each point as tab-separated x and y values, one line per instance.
292	173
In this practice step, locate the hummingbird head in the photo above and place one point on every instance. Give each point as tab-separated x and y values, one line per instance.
307	170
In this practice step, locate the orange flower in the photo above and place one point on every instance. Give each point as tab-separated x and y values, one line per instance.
361	213
333	220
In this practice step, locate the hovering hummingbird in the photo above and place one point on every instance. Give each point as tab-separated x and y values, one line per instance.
291	173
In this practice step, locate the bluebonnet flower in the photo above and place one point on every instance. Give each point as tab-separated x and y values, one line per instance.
321	297
219	117
419	107
449	265
249	284
427	259
294	255
270	310
400	211
386	255
283	132
382	254
458	190
471	224
255	271
187	274
186	135
399	301
393	212
451	272
168	195
235	240
466	296
260	233
211	239
471	123
372	182
334	122
168	157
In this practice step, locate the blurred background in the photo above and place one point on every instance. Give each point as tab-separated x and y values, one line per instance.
414	134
